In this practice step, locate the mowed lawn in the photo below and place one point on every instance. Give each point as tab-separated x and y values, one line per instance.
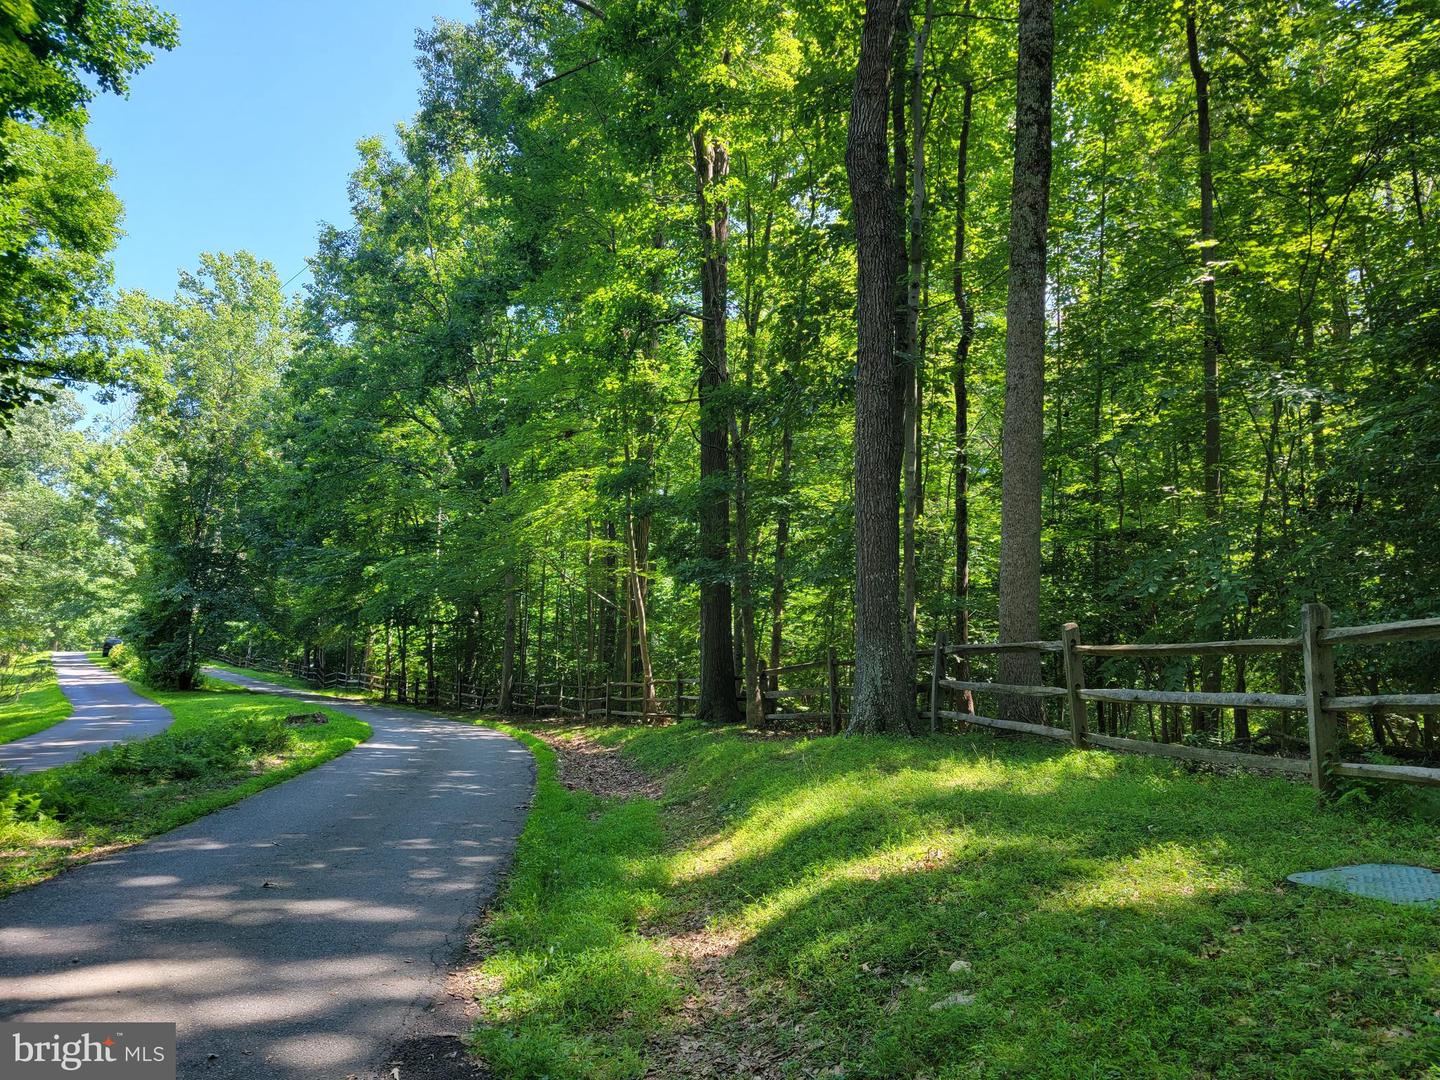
960	906
42	705
225	744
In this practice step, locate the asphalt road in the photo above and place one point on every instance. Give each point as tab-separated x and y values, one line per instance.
105	711
307	931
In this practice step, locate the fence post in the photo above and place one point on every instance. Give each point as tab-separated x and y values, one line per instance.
937	672
1074	683
1319	685
679	697
833	672
607	701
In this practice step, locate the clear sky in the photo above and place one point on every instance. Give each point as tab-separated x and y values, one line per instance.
244	135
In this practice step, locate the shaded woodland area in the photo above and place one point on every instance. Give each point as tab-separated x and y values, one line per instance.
703	340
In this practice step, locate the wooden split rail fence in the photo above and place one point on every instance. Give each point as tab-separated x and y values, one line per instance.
822	698
1321	705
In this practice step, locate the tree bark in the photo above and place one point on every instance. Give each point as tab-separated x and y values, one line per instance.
1022	431
962	396
884	699
507	655
782	544
717	703
910	343
1207	719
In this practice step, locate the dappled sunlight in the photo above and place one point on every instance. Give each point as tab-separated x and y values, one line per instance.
1148	879
104	711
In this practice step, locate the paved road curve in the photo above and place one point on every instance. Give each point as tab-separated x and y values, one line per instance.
105	711
304	932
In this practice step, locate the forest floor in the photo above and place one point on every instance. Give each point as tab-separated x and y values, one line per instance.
40	706
224	745
690	902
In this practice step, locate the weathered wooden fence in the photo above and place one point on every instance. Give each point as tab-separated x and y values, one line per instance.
817	695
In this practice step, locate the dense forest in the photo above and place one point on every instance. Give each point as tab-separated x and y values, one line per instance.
702	339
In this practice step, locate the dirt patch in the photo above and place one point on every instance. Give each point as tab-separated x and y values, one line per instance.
306	718
586	765
723	1028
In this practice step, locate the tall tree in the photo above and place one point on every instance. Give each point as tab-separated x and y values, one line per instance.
1022	433
884	700
717	653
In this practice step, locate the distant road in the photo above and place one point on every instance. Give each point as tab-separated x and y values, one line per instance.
305	933
106	711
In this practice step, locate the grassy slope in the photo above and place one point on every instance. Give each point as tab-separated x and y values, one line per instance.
287	681
1121	916
114	813
40	707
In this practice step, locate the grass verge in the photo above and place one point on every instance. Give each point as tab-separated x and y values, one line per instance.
962	906
226	743
578	988
40	706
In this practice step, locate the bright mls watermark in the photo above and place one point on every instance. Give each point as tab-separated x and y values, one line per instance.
108	1051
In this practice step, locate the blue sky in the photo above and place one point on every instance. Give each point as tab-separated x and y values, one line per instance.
244	135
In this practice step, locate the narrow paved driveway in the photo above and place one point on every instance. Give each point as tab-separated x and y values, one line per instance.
105	711
305	932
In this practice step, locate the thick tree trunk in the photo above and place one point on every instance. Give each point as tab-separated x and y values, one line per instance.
884	699
717	661
1022	432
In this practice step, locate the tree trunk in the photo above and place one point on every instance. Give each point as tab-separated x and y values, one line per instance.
1207	719
1022	431
883	696
507	656
404	692
717	662
962	398
782	543
909	345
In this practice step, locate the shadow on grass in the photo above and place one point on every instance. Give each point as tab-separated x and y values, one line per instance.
1121	915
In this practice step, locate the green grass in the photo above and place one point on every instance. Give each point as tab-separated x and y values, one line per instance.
288	681
39	707
225	744
1120	916
581	988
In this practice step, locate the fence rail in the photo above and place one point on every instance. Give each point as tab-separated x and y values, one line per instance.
827	706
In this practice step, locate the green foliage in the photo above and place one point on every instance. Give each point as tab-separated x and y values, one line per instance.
58	217
61	566
492	401
214	355
54	54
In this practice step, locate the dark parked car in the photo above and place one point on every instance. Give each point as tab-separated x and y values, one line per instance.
110	643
